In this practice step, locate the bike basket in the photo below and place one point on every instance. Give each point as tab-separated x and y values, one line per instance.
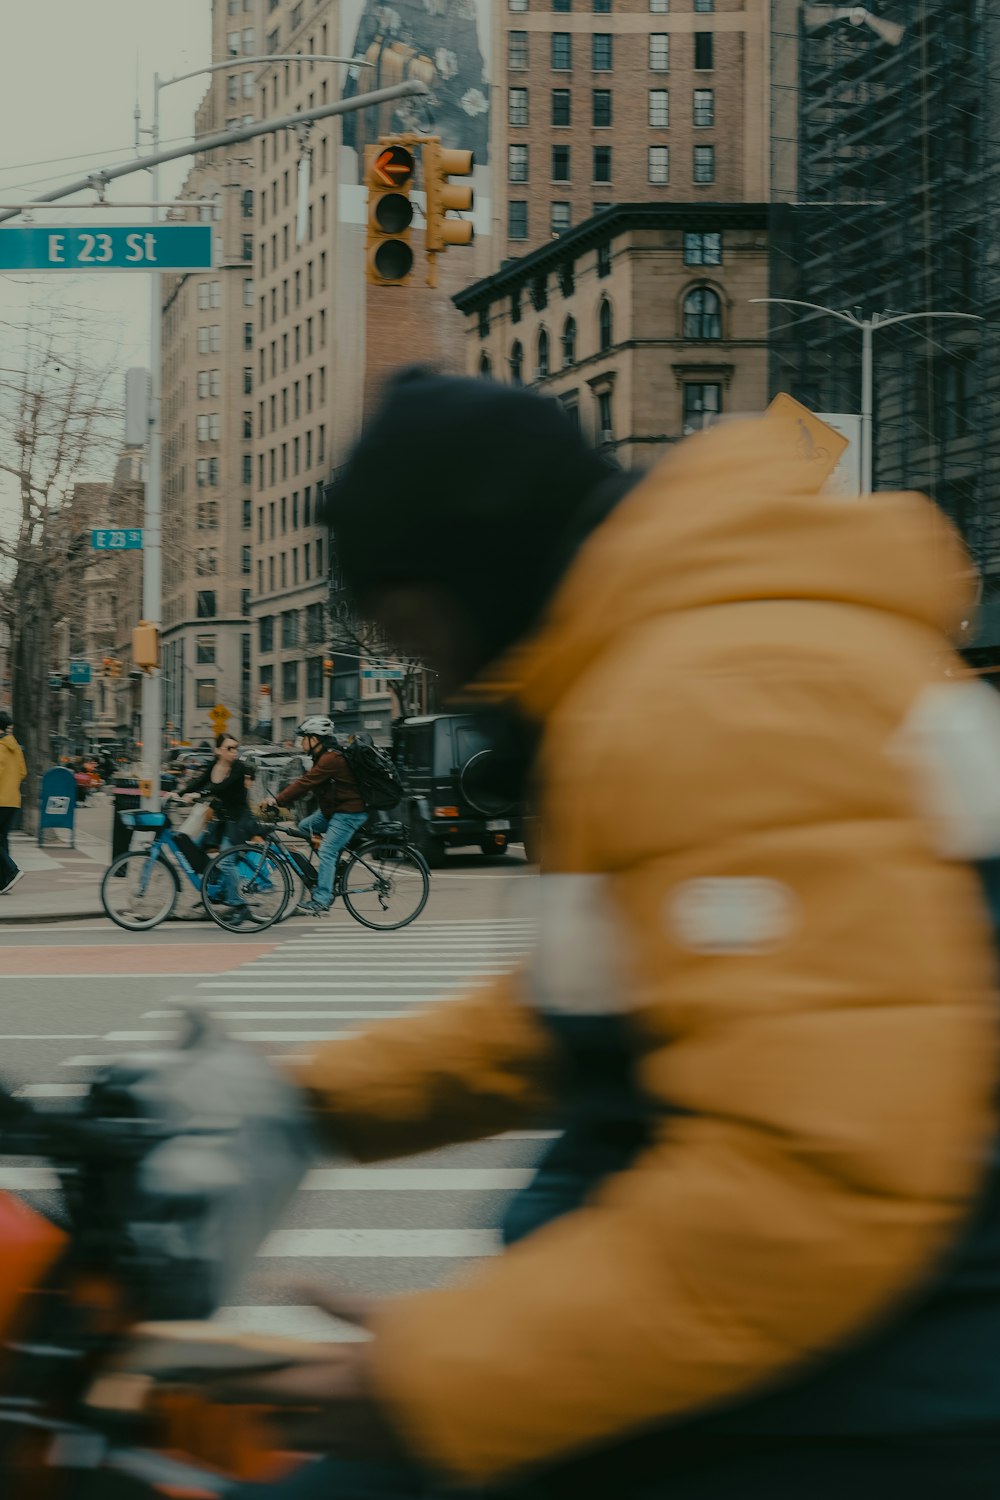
144	820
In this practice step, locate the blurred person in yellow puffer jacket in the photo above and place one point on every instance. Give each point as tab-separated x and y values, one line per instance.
763	1257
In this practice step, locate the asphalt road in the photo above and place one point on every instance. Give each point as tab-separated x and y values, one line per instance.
74	994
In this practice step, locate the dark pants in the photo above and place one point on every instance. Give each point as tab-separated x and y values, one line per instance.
8	869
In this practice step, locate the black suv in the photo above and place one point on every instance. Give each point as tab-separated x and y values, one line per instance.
442	759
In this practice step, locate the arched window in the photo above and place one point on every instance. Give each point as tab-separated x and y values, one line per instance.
485	368
569	342
543	354
516	362
606	331
702	314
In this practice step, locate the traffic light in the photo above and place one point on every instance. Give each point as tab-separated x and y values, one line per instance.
327	666
389	175
445	196
106	666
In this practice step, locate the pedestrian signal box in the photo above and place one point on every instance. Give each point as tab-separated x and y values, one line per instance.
389	171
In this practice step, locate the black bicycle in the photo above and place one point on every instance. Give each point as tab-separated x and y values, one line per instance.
382	878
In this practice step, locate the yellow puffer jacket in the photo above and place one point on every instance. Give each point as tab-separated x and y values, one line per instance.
737	860
12	771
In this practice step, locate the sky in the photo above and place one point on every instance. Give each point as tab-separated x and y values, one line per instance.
74	71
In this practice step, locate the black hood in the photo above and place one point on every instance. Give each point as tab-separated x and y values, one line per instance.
480	490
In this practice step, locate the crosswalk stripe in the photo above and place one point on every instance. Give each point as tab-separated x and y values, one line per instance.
290	1015
240	1036
342	1179
380	1244
51	1090
307	1323
356	977
282	996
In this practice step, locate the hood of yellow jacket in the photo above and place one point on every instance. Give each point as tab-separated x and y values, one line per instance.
734	515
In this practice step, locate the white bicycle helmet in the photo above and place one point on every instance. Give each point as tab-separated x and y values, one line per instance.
317	725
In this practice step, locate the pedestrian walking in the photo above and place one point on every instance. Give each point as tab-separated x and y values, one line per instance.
340	810
13	770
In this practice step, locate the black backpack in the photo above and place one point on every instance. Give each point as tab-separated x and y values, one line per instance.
379	783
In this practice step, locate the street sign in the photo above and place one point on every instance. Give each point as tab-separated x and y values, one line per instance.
813	438
79	673
846	478
393	672
107	539
55	682
117	247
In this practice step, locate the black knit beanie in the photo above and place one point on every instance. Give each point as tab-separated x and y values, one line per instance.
480	490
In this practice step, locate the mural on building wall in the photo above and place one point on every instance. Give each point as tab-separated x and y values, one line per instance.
444	43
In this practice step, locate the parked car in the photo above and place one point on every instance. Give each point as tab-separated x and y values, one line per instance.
444	760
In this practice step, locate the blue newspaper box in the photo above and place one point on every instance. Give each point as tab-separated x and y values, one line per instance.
57	803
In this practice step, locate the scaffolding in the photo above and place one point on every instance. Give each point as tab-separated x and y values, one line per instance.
885	170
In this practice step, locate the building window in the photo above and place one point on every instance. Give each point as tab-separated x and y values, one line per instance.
605	326
516	363
204	649
659	52
517	163
517	5
602	7
246	563
248	335
265	633
602	163
702	314
956	388
601	52
517	106
703	6
561	218
540	292
605	425
702	249
601	107
247	291
659	164
562	51
562	5
702	406
248	380
569	342
560	164
314	677
483	321
659	108
289	681
704	107
247	514
206	692
290	627
561	111
704	50
517	219
543	354
604	259
485	368
704	164
248	247
205	604
517	51
567	279
515	305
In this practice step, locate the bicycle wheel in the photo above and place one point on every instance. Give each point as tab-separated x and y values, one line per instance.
139	890
384	885
245	889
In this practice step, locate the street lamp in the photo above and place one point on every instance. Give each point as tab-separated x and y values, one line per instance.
152	573
867	328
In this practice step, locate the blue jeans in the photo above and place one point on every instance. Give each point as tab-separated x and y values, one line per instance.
335	831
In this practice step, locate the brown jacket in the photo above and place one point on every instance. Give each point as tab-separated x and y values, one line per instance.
330	781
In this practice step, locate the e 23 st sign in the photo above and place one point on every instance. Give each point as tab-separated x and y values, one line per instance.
117	247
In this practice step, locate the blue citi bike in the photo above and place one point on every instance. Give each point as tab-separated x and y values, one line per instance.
141	888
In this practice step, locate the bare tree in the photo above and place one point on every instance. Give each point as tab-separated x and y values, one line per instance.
56	421
358	639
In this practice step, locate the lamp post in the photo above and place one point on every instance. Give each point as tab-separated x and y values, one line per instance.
152	573
867	328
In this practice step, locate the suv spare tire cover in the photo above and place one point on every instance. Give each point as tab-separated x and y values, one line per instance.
478	780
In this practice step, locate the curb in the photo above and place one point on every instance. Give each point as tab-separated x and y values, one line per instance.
35	918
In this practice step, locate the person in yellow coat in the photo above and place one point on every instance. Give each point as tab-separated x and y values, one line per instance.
12	773
762	1258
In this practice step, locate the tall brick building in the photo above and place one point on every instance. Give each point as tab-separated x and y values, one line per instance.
609	101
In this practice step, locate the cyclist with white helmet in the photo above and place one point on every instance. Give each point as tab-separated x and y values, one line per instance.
340	810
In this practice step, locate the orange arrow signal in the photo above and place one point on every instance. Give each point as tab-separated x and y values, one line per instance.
393	166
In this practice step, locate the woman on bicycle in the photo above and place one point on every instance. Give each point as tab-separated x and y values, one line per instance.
227	781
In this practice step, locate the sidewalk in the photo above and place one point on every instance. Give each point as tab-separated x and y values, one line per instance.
61	884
